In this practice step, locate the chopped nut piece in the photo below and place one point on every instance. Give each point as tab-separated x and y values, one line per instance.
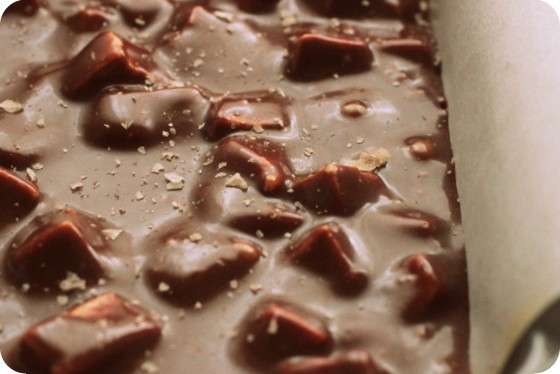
272	326
308	152
31	174
75	187
139	196
163	287
195	238
72	282
10	106
149	367
237	181
158	168
371	160
62	300
174	181
112	234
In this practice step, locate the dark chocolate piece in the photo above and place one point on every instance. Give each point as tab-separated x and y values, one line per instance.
327	250
337	189
17	197
314	57
55	247
107	60
97	335
131	119
274	331
257	112
186	269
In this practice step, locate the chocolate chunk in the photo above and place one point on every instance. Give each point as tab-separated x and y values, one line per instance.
257	112
95	336
186	269
353	8
25	7
426	282
337	189
273	331
326	250
315	57
415	50
270	224
353	362
258	159
424	225
87	20
107	60
130	119
18	197
257	6
439	283
55	246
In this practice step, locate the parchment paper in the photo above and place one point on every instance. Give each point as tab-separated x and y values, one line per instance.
501	61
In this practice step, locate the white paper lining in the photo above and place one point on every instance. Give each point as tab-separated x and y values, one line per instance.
501	61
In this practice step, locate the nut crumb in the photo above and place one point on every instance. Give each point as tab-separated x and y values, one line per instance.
11	107
237	181
72	282
370	160
112	234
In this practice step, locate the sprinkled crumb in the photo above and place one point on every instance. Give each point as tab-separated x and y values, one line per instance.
72	282
174	181
237	181
272	328
10	106
75	187
31	174
149	367
308	152
255	288
163	287
139	196
112	234
370	160
62	300
195	237
198	305
158	168
258	129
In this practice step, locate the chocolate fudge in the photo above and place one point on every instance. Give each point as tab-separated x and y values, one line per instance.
227	186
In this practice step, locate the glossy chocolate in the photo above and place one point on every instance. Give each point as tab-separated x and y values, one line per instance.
227	186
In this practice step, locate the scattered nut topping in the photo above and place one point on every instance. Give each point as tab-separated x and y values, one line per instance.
112	234
370	160
237	181
163	287
149	367
174	181
272	328
195	237
10	106
139	196
72	282
75	187
158	168
62	300
354	109
308	152
31	174
255	288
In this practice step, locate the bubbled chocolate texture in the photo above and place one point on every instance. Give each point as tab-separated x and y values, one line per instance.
227	186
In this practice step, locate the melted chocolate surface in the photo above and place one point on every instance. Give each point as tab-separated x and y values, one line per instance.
240	186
